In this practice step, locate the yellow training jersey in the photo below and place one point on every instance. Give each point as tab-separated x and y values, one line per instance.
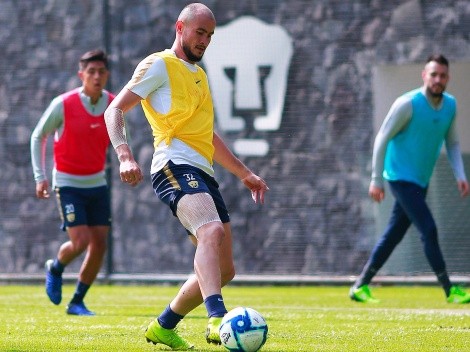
191	114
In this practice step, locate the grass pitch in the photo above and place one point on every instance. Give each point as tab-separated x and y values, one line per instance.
304	318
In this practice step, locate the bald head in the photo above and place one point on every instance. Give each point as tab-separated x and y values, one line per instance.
194	29
195	10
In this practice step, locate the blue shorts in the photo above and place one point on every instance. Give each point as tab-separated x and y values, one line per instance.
174	181
84	206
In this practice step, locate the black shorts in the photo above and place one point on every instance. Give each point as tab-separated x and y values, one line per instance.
174	181
84	206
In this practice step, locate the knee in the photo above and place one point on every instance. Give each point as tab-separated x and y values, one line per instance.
212	233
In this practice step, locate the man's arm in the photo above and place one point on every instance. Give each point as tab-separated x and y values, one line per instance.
455	158
149	75
129	170
51	120
397	119
224	157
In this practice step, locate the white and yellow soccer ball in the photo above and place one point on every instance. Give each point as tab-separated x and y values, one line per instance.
243	329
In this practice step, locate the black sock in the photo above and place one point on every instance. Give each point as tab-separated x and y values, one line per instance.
80	292
366	276
169	319
215	306
57	268
444	281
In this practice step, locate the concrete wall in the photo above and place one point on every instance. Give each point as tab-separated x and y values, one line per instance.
317	218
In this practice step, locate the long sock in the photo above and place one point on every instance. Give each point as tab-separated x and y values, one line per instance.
80	292
366	276
443	278
169	319
57	267
215	306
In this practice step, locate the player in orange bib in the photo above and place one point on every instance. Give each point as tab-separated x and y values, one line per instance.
76	119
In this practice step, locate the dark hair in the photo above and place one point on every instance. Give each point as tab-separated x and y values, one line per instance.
439	58
93	55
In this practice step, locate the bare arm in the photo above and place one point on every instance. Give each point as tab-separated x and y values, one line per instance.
224	157
129	171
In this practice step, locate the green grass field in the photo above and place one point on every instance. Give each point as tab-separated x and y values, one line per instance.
304	318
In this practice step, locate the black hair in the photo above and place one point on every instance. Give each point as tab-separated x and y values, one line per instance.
439	58
93	55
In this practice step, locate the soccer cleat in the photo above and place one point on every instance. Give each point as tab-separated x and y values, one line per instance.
458	295
53	284
169	337
212	331
362	294
78	309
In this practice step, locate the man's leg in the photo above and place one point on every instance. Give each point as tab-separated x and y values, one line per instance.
68	251
202	214
73	214
97	243
190	296
214	303
97	237
392	236
416	208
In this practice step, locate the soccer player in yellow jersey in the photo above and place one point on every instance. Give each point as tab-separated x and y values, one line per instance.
175	96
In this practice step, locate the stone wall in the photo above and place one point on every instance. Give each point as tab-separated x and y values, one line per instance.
317	218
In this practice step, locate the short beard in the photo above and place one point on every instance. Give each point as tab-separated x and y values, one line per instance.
435	95
191	57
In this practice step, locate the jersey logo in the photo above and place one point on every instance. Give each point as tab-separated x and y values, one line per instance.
193	184
192	181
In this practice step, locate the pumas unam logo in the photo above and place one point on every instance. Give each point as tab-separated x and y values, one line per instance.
71	217
193	184
247	64
192	181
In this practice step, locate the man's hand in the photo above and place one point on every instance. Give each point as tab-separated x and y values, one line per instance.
129	170
257	186
463	188
376	193
42	189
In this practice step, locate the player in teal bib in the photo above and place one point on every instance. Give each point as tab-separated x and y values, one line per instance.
412	153
406	150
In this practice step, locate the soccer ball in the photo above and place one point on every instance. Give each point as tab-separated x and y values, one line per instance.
243	330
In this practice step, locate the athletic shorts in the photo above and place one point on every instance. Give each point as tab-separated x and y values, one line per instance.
84	206
174	181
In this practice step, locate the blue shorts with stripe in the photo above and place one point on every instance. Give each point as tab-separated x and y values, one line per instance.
174	181
84	206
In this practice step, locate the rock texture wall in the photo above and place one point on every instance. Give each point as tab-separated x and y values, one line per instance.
317	218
